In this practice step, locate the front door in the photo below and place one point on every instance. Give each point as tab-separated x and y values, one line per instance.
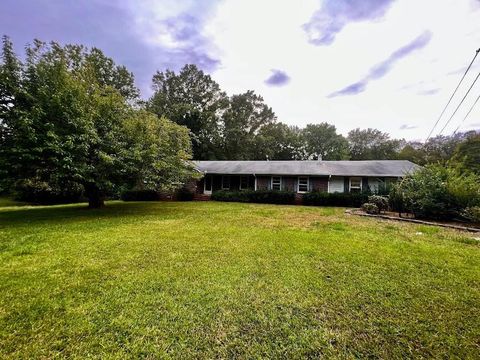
207	185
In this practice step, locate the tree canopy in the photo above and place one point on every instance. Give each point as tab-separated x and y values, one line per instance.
67	122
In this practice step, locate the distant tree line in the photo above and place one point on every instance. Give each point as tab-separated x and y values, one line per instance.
243	127
72	123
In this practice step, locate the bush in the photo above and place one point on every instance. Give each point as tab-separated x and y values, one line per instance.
396	199
437	192
39	192
140	195
260	196
184	194
334	199
472	214
380	201
370	208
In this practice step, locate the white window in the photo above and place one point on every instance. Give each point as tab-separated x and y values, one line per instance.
226	182
243	182
355	184
276	183
303	184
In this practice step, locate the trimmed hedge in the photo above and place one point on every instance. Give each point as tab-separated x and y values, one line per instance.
335	199
260	196
140	195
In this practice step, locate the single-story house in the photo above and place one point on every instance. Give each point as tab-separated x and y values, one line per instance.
300	176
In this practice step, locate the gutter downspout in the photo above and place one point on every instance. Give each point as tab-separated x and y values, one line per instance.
255	186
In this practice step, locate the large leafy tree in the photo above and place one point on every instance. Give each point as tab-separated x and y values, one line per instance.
323	142
372	144
467	154
278	141
242	122
66	123
193	99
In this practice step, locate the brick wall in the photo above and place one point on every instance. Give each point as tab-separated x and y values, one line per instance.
319	184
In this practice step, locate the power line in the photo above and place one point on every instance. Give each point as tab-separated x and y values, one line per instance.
451	97
466	116
461	102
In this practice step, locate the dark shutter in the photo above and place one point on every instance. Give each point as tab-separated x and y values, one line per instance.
364	183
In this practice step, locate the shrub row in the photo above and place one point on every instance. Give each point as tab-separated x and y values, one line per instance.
260	196
287	197
335	199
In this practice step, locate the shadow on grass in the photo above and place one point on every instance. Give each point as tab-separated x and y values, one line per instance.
80	212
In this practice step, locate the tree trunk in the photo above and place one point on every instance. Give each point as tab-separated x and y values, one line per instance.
96	199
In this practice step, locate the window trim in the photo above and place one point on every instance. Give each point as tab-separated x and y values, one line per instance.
240	185
298	184
223	182
280	183
355	188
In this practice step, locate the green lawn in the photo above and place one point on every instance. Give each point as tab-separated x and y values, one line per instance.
224	280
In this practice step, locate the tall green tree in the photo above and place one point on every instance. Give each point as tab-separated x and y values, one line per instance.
10	92
193	99
372	144
278	141
441	148
323	142
413	151
244	119
467	154
64	126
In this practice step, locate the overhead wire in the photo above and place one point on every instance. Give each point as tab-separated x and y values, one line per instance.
461	102
466	116
453	94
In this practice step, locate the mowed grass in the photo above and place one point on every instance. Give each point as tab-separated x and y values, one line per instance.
227	280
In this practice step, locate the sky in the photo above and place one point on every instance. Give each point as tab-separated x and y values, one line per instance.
385	64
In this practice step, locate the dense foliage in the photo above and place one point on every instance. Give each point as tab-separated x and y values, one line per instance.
370	208
243	127
437	192
259	196
381	202
69	123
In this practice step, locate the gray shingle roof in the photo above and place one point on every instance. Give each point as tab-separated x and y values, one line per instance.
382	168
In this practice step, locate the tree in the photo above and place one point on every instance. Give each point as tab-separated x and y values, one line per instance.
191	98
467	154
278	141
66	128
440	149
243	120
10	68
413	151
323	142
372	144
